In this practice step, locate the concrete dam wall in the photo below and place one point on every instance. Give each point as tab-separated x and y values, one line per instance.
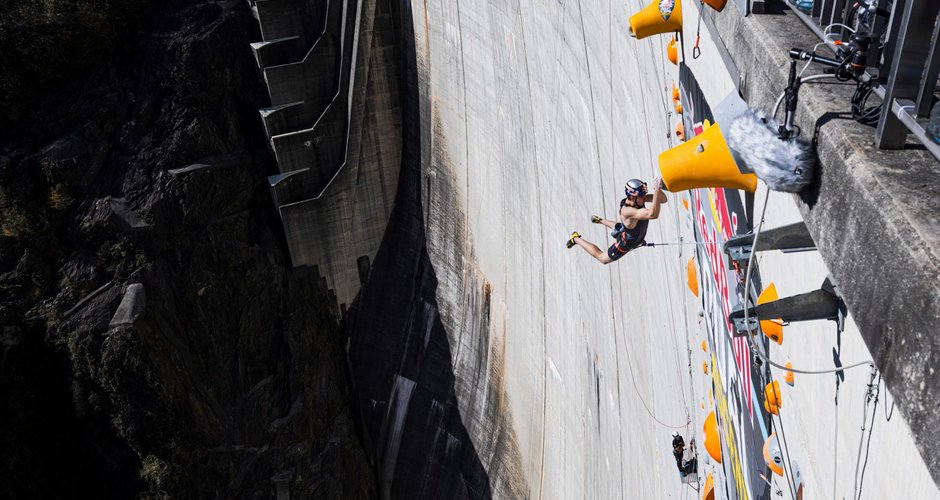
486	359
502	349
534	116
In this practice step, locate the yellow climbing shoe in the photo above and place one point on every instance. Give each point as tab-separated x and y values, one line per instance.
571	242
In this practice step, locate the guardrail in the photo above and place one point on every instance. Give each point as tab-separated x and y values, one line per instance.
902	67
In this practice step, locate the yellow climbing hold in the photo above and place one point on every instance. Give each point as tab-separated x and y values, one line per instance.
660	16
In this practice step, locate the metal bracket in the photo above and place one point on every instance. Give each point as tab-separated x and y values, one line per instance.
737	320
824	303
788	239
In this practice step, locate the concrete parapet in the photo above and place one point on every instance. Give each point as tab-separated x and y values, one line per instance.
872	213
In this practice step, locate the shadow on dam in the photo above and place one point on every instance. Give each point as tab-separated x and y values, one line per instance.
400	364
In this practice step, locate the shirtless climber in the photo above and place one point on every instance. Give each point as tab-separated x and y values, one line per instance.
630	233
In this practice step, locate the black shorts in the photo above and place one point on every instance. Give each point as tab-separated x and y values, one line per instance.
621	247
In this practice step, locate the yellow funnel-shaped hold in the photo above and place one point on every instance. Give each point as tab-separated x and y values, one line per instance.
672	51
772	456
708	491
656	18
772	398
703	161
788	376
773	329
712	441
716	4
692	279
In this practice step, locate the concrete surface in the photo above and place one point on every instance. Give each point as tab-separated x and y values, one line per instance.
873	215
334	126
532	118
488	359
536	115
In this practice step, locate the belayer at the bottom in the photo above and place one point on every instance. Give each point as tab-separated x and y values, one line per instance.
630	233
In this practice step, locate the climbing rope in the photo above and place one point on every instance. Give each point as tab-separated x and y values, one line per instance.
648	410
676	243
750	334
873	393
835	445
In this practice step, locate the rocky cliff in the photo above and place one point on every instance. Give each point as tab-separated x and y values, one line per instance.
156	341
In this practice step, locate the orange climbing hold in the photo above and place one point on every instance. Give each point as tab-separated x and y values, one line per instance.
704	346
672	51
718	5
772	398
692	277
708	491
712	441
788	377
705	367
679	109
772	328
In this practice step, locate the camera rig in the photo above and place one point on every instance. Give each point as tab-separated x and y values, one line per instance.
852	61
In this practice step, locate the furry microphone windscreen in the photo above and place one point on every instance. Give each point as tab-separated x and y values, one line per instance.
784	165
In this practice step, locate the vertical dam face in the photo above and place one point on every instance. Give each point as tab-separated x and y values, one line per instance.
488	359
534	115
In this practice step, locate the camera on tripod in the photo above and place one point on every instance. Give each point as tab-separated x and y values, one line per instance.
854	57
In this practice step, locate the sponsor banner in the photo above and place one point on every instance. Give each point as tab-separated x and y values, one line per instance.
737	384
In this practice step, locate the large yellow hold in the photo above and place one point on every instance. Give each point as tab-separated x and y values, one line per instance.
703	161
653	20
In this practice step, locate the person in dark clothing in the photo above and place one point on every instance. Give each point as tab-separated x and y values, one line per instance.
630	233
678	448
678	452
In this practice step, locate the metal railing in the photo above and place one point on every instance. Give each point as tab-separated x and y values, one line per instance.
903	70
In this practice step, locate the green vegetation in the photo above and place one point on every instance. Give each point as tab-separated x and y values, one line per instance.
59	198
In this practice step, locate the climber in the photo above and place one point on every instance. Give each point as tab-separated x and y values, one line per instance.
685	461
634	215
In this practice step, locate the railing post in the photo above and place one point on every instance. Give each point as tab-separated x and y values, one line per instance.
890	38
913	44
931	72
